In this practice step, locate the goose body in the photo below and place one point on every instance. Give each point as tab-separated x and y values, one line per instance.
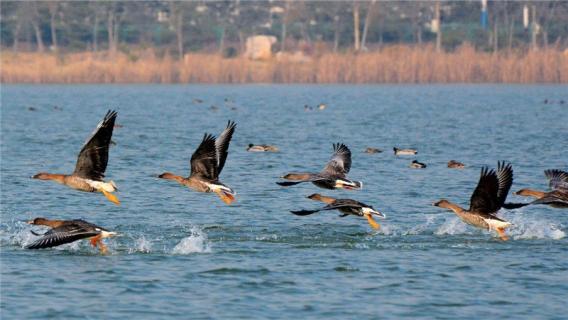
346	207
207	162
91	163
67	231
333	176
489	196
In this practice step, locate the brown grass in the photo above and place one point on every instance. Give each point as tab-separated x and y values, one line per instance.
395	64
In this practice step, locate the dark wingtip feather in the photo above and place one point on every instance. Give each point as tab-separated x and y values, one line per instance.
303	212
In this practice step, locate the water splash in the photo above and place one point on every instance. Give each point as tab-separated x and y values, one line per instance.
141	245
452	226
532	228
196	243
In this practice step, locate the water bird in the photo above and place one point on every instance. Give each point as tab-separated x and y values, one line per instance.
333	176
67	231
91	163
261	148
322	106
346	207
487	198
417	165
196	100
455	164
557	197
207	162
307	108
373	150
404	152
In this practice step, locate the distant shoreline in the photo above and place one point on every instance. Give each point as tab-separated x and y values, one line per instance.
391	65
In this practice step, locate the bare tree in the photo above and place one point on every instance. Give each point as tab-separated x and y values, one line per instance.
113	25
285	21
177	23
53	7
35	20
439	30
368	18
356	39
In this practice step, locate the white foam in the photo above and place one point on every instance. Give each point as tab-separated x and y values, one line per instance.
534	228
142	245
452	226
196	243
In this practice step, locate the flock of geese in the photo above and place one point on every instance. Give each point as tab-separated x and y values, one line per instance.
208	161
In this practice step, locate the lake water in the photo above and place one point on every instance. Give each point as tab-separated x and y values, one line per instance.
187	255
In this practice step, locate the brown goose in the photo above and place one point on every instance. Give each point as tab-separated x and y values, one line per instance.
557	197
91	163
67	231
207	162
487	199
333	176
346	207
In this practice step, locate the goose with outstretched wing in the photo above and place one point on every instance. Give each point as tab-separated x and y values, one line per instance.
346	207
206	164
489	196
67	231
333	176
557	197
91	163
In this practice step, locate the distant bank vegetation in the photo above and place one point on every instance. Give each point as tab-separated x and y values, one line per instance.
392	64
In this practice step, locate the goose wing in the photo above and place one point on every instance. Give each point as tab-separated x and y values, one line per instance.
557	179
340	162
337	204
204	160
484	197
67	233
555	198
222	145
505	179
93	158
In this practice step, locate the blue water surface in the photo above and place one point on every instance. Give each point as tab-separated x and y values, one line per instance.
187	255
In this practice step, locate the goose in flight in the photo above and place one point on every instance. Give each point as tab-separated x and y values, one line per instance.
91	163
67	231
207	162
346	207
333	176
557	197
489	196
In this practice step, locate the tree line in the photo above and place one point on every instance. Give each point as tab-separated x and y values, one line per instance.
179	27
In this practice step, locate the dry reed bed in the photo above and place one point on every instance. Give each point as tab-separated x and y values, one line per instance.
396	64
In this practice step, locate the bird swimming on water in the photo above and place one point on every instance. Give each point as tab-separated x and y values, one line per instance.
487	198
417	165
67	231
91	163
207	162
455	164
373	150
557	197
261	148
333	176
404	152
346	207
